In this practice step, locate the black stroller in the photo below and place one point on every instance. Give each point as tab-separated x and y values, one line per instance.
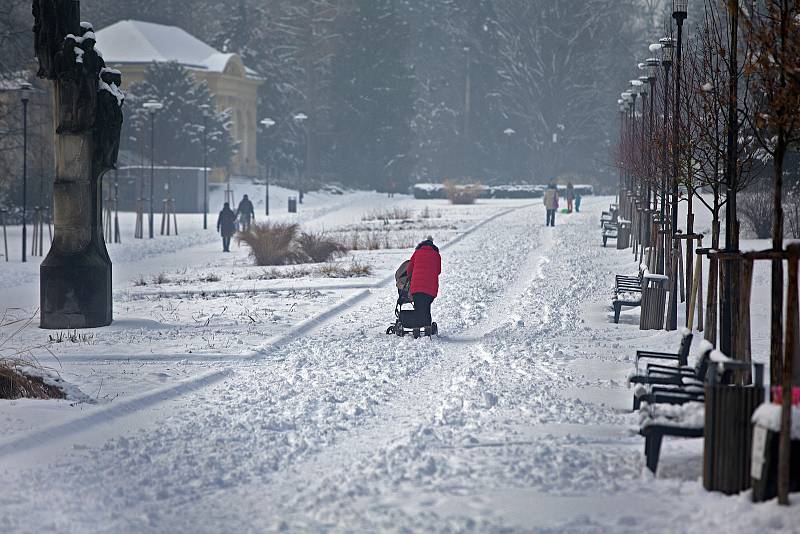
406	319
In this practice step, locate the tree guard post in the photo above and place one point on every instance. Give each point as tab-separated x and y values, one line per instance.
75	278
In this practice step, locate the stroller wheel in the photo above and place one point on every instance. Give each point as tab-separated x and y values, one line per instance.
416	333
434	329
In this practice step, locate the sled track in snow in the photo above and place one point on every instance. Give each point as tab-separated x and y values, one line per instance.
54	436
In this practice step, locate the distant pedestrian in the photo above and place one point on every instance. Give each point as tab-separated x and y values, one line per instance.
551	204
245	213
570	196
577	203
226	226
391	187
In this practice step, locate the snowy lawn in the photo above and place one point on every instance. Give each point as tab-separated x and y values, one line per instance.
280	404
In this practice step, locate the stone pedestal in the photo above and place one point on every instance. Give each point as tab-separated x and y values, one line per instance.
75	284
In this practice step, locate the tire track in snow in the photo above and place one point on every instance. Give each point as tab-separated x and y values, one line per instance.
52	435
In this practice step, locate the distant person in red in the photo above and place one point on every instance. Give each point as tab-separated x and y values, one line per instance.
424	269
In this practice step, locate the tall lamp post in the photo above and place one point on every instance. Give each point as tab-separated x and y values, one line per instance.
509	132
267	123
204	108
25	95
679	8
301	118
622	109
152	107
665	45
627	98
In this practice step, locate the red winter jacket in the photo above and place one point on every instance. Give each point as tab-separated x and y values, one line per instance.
424	269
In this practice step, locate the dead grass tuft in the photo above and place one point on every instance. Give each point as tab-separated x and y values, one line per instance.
351	270
395	213
318	248
272	243
462	194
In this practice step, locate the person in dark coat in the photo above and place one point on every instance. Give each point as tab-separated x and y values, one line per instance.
245	213
226	226
570	196
424	269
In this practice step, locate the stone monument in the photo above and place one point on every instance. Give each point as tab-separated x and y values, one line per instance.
75	277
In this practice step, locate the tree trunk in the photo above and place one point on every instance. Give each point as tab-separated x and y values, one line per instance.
713	278
776	330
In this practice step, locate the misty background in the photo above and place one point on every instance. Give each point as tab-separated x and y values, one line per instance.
401	91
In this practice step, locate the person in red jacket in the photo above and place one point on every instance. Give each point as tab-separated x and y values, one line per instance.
424	269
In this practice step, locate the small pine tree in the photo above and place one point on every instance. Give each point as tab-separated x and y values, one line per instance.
179	125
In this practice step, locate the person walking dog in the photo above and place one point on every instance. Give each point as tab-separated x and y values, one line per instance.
226	226
424	268
551	204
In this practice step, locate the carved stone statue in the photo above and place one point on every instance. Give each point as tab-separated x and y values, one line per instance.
76	275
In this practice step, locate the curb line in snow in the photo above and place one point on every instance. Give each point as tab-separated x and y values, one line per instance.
49	435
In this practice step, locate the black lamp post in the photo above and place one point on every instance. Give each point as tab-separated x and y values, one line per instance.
679	8
622	109
652	66
25	96
665	45
152	107
627	97
267	123
301	118
509	133
204	109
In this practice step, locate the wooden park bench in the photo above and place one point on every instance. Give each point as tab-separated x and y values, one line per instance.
609	216
684	413
610	231
627	292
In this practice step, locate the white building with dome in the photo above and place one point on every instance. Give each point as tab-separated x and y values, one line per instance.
131	45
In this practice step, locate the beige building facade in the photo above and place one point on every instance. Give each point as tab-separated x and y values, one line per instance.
131	45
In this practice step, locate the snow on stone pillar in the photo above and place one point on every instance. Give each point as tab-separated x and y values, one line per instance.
75	278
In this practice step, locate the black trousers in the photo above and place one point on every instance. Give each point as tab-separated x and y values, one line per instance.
551	218
422	308
226	243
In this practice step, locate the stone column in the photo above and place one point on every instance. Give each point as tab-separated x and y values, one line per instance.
75	278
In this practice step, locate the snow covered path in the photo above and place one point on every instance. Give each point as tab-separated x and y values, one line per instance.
515	418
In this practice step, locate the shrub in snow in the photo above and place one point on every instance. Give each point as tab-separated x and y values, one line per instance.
272	243
318	248
462	194
756	209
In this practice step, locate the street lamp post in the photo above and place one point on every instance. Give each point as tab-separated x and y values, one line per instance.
267	123
665	45
204	109
25	95
627	97
152	107
300	118
679	8
636	90
622	108
508	132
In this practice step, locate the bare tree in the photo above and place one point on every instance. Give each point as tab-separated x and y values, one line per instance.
772	28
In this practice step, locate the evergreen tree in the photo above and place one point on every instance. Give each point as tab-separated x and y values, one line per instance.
373	97
179	125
